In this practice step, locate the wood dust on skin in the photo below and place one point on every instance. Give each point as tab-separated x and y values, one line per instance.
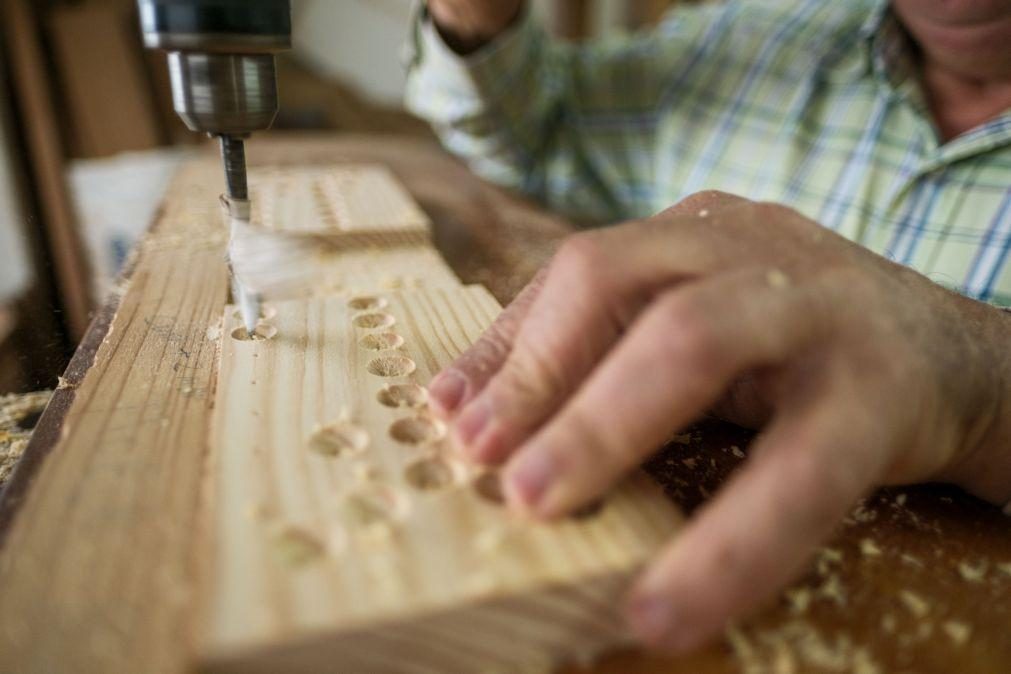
875	599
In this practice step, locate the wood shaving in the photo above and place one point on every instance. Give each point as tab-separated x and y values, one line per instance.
861	515
911	559
833	589
959	632
826	558
799	598
798	646
736	451
777	279
900	500
916	604
15	432
971	573
690	463
868	548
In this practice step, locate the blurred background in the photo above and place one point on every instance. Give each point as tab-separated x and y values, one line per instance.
88	139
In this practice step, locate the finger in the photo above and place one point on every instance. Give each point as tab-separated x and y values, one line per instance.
705	203
467	375
594	288
801	477
675	362
587	298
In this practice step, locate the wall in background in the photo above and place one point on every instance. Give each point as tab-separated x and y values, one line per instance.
15	273
362	41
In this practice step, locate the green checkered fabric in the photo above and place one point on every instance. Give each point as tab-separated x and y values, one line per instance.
809	103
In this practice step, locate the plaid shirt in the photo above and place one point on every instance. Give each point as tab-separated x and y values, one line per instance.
809	103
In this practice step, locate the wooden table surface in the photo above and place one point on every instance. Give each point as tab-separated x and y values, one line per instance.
917	579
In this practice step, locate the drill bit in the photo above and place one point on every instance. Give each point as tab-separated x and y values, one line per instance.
233	155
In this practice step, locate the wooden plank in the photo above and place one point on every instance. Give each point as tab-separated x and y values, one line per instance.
350	537
96	566
334	200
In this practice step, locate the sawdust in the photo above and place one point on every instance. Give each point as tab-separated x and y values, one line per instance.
736	451
868	548
916	604
799	599
973	573
18	416
959	632
798	646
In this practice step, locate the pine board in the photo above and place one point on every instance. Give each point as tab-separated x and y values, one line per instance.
354	562
335	200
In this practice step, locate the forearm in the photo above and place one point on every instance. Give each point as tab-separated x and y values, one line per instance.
572	126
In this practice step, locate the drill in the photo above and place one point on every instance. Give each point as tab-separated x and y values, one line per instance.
224	81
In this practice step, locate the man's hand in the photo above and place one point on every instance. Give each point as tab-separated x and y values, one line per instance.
467	25
860	371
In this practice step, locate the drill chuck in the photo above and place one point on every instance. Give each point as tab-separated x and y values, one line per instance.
221	59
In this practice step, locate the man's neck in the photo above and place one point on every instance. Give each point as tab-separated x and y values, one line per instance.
959	104
964	56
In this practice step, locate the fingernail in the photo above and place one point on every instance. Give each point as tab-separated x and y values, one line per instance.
447	390
652	618
530	478
472	421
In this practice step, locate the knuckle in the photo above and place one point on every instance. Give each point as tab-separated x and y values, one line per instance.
529	379
690	336
583	256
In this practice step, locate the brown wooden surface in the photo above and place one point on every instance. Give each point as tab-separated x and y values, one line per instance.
917	580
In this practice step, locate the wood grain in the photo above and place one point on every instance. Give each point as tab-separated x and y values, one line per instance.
346	526
104	529
333	200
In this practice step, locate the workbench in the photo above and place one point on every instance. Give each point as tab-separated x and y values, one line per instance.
95	579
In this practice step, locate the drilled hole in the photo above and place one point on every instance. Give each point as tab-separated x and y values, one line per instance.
429	474
374	320
417	430
489	487
261	333
391	366
403	395
338	439
377	506
381	341
367	303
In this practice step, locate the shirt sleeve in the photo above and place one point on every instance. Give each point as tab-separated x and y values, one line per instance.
574	126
